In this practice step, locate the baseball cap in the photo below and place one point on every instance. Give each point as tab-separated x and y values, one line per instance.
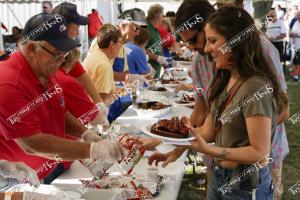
134	15
51	28
69	11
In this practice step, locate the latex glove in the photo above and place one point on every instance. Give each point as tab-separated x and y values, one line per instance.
162	60
102	108
102	121
90	136
139	79
107	149
19	171
38	196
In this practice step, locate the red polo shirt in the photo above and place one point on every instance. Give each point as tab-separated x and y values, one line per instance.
77	70
168	40
26	109
76	98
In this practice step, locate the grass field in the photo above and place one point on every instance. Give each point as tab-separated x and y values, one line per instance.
290	174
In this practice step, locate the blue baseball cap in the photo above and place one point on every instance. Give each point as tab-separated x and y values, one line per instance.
51	28
69	11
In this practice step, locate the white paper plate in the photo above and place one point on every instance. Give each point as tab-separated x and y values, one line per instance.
143	113
185	62
170	85
146	129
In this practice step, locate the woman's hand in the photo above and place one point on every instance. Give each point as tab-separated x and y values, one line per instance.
148	144
199	144
165	158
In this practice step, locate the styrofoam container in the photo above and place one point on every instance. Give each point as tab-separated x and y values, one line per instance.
179	73
95	194
152	113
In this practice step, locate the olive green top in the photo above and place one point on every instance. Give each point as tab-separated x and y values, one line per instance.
254	97
154	45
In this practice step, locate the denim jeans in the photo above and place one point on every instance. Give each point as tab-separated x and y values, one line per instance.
220	176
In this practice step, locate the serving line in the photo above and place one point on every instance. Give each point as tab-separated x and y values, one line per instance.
174	171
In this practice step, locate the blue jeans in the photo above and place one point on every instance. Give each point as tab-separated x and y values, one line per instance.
221	176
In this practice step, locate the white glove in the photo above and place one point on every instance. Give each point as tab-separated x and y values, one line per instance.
102	108
38	196
102	121
162	60
90	136
140	80
107	149
19	171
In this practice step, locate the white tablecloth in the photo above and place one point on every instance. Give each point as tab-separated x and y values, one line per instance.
175	170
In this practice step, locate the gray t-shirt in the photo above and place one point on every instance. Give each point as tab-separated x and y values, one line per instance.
254	97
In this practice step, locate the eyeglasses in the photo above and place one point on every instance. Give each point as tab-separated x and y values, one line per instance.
135	28
56	56
194	39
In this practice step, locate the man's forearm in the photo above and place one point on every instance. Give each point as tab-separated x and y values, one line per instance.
49	146
120	76
73	126
152	56
14	196
199	113
89	86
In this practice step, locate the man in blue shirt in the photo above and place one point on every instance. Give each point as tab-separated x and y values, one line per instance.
136	54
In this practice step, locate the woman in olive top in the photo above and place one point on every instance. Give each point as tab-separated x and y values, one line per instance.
245	99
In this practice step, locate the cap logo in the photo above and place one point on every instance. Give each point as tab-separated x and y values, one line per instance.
128	17
62	28
58	19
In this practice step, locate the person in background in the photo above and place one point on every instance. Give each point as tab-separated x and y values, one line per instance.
95	22
171	16
47	7
169	41
130	22
99	60
293	14
295	38
155	46
32	105
74	20
279	12
276	32
136	53
77	101
16	33
261	7
3	56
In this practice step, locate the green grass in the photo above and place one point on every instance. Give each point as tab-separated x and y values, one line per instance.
291	165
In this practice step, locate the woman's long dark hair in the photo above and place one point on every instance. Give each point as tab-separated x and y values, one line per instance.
231	21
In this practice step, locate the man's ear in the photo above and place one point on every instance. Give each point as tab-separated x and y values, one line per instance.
31	48
123	26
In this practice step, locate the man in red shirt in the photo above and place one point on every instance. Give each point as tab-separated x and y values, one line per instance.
76	93
74	20
94	24
32	110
